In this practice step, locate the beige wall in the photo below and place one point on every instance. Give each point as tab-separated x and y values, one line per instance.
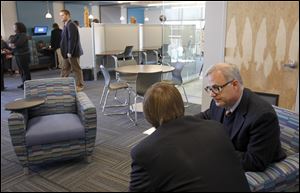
260	38
8	18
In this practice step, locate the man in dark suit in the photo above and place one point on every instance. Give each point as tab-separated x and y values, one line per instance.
71	49
184	154
249	121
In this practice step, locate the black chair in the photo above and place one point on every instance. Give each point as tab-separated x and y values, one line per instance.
143	82
269	97
127	54
177	79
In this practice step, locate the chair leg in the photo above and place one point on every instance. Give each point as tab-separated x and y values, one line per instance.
26	170
185	96
135	110
88	159
116	98
105	101
104	89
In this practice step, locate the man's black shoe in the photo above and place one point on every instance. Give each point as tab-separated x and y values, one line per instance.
21	86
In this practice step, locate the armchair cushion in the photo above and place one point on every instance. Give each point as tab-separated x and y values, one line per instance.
283	175
276	177
53	129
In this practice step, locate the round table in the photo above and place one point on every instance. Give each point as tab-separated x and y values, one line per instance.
135	69
24	104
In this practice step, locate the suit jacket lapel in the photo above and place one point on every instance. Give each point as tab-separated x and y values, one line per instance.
240	113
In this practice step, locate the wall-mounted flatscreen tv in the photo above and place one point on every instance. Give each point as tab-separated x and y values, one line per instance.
40	30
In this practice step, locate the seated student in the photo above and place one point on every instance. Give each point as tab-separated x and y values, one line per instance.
184	154
249	121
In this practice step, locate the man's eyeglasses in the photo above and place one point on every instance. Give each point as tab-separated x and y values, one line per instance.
217	89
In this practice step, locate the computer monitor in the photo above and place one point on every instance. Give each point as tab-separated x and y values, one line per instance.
40	30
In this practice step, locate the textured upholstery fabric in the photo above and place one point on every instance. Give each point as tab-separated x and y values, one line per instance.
53	129
61	98
284	175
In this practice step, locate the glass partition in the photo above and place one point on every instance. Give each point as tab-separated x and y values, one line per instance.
183	36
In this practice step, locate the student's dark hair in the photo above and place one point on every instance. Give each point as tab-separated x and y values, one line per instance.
55	26
67	12
20	27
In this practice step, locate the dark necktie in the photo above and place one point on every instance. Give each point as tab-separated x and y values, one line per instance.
228	113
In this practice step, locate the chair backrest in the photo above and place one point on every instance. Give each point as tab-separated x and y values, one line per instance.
60	95
145	80
106	75
176	74
126	62
128	51
164	49
269	97
129	78
289	129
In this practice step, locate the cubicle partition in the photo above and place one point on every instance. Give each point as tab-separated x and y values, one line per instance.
110	39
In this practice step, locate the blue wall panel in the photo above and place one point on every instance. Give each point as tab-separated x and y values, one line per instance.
138	13
76	11
32	13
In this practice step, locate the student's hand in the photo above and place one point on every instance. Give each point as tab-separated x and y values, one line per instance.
69	55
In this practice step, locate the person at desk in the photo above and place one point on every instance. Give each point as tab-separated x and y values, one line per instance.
55	43
20	47
169	159
249	121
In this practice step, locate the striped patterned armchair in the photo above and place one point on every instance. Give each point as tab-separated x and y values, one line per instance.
284	175
63	127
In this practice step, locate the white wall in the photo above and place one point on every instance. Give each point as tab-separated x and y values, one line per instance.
86	40
8	18
153	15
96	12
118	36
215	25
110	14
152	35
124	14
57	6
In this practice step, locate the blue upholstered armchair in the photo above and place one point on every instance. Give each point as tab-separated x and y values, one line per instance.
284	175
63	127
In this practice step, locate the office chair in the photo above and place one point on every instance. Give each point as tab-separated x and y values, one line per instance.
127	54
143	82
109	86
177	79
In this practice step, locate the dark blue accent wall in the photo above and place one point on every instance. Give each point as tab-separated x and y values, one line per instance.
32	13
138	13
76	11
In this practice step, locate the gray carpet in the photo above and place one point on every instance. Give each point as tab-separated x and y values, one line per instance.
109	170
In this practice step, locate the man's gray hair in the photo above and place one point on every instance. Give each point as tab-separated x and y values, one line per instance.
230	71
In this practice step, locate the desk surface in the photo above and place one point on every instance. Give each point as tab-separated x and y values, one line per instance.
24	103
135	69
113	52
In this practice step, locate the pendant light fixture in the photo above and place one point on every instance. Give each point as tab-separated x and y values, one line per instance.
48	14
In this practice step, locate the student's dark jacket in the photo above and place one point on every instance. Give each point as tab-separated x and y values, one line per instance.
187	155
256	131
21	44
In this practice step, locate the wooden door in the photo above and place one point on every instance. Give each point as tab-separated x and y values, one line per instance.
261	37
